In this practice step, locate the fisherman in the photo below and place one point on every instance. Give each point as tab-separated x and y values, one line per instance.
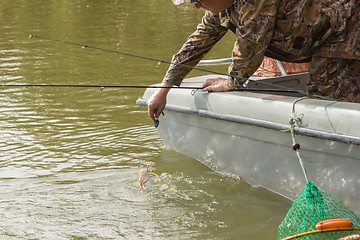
323	32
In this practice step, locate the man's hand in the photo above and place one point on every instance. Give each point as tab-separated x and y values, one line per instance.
216	85
157	102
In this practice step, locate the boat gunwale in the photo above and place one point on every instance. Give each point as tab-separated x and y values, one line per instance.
260	123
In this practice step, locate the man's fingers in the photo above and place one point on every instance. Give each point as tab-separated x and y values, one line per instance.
208	82
207	89
212	84
151	114
158	112
157	102
154	113
220	85
151	110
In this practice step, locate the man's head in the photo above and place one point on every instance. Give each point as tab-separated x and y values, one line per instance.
214	6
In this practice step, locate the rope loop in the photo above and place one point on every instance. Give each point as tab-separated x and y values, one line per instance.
296	146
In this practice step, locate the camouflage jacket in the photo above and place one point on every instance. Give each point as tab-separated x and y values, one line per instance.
288	30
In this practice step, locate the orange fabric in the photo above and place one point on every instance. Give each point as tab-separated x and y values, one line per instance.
268	68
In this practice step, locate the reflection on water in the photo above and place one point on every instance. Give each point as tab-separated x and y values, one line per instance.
70	158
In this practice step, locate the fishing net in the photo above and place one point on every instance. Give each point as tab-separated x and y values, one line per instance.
311	207
304	219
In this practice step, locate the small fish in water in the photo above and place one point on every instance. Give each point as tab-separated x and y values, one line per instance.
145	179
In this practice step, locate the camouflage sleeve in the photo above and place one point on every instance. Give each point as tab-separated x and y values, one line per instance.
207	34
254	32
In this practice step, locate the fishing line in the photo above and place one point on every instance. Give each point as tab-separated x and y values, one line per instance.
133	86
159	61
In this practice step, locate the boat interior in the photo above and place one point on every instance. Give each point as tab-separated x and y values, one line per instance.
288	85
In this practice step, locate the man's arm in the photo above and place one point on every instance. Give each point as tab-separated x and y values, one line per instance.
199	43
207	34
256	21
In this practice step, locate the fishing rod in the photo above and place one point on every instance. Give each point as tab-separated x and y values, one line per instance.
133	86
91	86
159	61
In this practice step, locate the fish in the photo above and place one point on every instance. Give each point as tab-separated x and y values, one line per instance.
145	179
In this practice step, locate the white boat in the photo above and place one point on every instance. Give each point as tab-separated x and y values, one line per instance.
240	133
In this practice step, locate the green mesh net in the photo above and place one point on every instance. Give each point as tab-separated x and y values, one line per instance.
312	206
